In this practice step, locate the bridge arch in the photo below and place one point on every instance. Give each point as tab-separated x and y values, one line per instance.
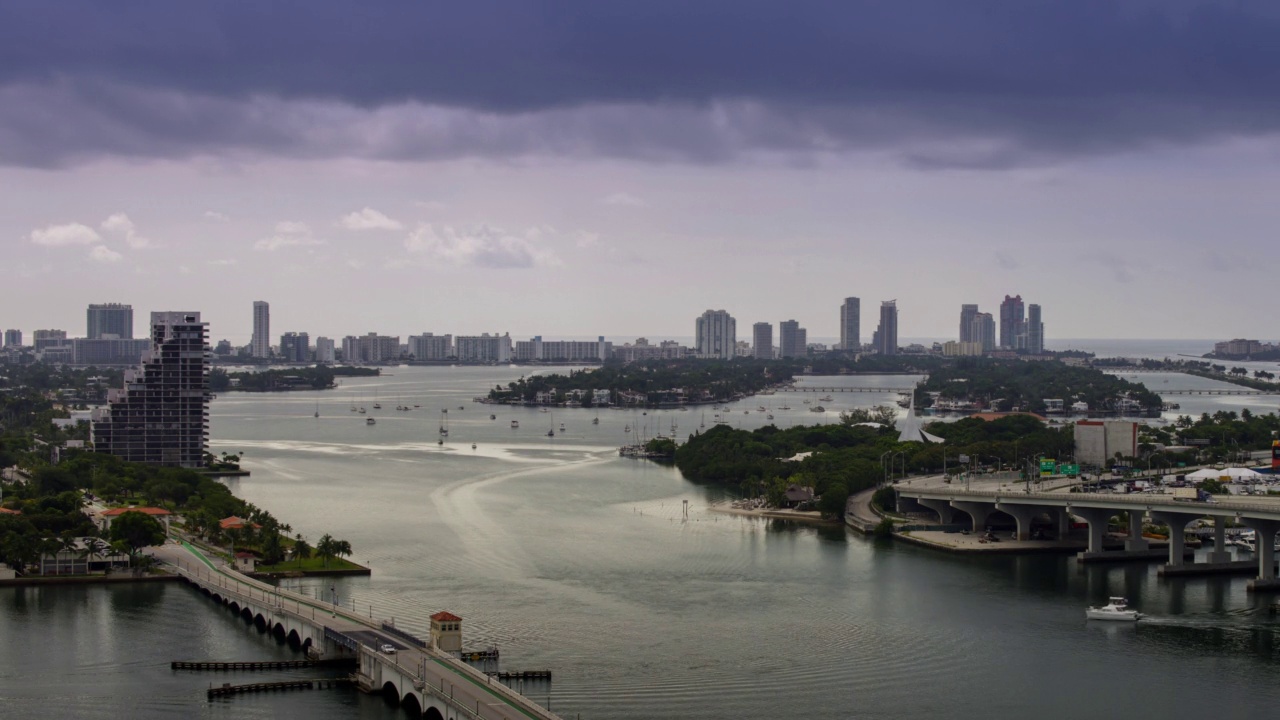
277	631
246	613
294	640
391	693
235	606
433	714
260	622
411	705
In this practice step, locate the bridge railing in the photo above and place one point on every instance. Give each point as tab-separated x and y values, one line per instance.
1067	499
407	637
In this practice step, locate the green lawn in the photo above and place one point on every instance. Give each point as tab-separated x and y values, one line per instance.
310	565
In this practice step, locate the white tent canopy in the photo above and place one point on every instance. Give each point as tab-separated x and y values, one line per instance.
1234	473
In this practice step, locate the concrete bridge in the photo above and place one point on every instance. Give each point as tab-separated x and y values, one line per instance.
1097	509
426	681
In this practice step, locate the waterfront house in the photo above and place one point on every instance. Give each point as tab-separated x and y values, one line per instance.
236	523
109	516
84	556
246	562
796	495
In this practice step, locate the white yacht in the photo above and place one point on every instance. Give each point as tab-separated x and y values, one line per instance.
515	423
1116	609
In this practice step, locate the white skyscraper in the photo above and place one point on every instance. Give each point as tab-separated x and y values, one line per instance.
261	343
851	324
716	334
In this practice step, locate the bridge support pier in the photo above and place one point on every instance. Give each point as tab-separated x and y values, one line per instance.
1220	553
1023	514
1062	520
946	513
977	511
1265	539
1097	519
1136	542
1177	523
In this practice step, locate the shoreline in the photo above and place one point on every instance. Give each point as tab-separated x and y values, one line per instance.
777	514
36	580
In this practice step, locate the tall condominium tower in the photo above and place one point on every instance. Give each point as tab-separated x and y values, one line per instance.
982	330
295	347
13	338
716	335
161	415
110	319
967	314
762	341
851	324
792	339
1012	321
1035	330
260	345
325	351
887	333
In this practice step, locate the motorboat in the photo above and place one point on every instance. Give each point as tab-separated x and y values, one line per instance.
515	423
473	446
493	417
1117	609
370	421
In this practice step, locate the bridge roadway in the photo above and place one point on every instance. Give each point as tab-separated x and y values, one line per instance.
1260	514
426	681
846	388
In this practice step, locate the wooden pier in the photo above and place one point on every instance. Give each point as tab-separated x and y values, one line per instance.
261	664
227	689
521	675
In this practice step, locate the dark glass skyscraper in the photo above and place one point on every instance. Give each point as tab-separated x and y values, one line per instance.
887	333
1012	321
851	324
967	314
161	415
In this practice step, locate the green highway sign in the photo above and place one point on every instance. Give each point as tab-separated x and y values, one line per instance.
1048	467
1069	470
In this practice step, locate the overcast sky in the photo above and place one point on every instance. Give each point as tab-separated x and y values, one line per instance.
584	168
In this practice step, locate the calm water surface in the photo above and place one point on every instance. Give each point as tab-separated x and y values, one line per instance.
573	559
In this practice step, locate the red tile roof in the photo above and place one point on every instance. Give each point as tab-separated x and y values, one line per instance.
242	555
7	511
989	416
235	523
446	616
144	510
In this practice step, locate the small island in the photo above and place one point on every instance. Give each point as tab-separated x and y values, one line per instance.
319	377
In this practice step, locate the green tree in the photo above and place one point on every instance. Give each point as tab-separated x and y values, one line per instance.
301	550
135	531
326	549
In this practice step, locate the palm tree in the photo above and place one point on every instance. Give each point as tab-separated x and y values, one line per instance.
326	548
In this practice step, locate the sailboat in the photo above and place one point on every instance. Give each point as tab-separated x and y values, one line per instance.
551	432
317	408
376	405
444	423
596	420
704	419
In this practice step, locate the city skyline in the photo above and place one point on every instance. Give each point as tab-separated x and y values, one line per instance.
1084	169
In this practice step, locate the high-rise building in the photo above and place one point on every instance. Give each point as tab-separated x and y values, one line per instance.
982	332
44	339
792	339
1012	321
1035	330
295	347
762	341
851	324
483	348
887	332
12	338
431	347
110	319
261	342
161	416
325	350
716	335
108	351
967	314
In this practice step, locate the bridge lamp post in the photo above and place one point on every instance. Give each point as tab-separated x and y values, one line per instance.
903	453
883	467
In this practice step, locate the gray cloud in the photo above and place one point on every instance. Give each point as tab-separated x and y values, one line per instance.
981	84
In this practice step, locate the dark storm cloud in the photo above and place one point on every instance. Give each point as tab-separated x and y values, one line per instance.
980	83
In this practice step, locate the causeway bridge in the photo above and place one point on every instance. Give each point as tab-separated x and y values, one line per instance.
425	681
1097	509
